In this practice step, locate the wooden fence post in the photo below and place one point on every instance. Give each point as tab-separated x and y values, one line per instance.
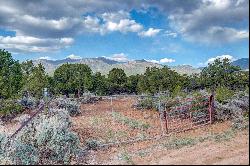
211	107
166	119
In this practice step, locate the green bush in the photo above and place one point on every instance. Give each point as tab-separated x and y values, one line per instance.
178	92
223	94
8	107
146	103
179	143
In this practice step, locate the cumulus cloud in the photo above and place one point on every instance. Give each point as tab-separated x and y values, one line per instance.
115	16
169	33
92	24
121	57
161	61
72	56
124	26
207	21
218	34
166	60
221	57
60	19
149	33
153	61
110	22
45	58
33	44
211	21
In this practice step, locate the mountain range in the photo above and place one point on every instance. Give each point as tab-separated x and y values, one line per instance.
243	63
104	65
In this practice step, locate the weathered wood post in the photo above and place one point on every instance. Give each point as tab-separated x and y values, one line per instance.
211	107
166	119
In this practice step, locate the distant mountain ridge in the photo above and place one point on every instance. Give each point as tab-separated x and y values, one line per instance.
243	63
104	65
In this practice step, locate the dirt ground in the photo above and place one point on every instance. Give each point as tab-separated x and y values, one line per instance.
97	123
235	151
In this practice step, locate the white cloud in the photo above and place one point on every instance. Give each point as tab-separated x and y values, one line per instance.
124	25
121	57
66	41
219	34
149	33
211	22
211	60
45	58
166	60
153	61
110	22
33	44
221	57
72	56
169	33
115	16
92	24
161	61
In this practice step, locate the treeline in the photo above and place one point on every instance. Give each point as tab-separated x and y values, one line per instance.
17	79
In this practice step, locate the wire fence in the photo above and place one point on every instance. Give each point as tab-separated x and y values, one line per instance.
114	119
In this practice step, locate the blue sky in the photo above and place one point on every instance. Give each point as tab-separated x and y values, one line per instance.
167	32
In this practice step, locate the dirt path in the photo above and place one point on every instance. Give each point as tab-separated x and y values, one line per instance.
235	151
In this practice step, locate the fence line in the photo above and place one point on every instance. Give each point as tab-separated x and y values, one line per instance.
26	122
206	118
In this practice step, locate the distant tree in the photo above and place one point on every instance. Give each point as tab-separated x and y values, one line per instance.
82	78
73	78
27	69
194	82
117	81
63	79
100	84
219	73
10	76
240	80
143	85
36	81
132	84
156	80
51	85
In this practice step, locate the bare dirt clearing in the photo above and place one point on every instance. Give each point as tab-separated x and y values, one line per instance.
235	151
96	122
